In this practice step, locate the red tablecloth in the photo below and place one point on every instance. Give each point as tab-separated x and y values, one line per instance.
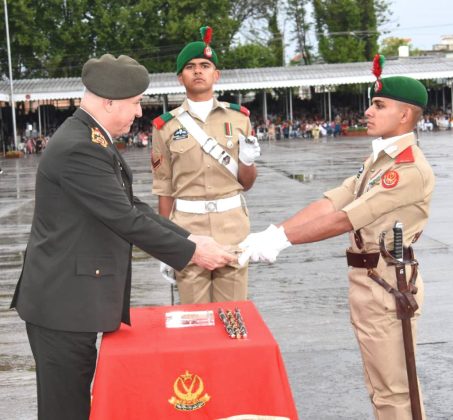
144	367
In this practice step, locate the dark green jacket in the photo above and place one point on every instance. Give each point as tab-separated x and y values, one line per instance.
77	269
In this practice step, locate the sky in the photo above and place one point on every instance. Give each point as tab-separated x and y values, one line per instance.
424	21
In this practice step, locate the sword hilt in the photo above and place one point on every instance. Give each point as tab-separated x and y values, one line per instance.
398	241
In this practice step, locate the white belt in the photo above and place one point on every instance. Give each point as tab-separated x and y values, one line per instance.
211	206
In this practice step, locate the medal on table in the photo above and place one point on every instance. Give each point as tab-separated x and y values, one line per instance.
229	135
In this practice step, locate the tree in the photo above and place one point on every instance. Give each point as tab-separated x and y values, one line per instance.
27	45
390	46
275	43
53	38
347	30
296	12
249	56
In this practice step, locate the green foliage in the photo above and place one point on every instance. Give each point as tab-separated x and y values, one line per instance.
53	38
389	47
347	30
296	12
249	56
276	42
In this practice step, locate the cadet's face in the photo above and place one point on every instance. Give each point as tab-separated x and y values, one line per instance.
123	113
384	118
198	77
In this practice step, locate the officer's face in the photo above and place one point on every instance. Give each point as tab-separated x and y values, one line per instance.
123	113
198	77
385	118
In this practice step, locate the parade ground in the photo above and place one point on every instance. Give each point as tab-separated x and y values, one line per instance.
303	297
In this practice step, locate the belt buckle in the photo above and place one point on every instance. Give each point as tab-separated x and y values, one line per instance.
209	144
210	206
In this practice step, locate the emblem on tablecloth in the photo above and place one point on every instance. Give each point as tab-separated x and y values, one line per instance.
188	388
97	137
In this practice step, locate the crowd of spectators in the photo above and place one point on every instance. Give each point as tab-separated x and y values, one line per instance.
308	126
436	121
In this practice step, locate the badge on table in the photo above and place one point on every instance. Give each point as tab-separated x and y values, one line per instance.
97	137
188	388
390	179
229	134
180	134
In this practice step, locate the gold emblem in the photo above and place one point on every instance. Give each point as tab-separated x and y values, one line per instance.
188	388
97	137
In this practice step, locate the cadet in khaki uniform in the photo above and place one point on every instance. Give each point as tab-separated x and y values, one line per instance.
199	177
394	184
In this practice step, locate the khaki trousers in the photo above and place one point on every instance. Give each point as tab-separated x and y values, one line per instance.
380	338
229	228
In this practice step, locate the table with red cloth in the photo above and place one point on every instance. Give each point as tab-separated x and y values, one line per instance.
145	370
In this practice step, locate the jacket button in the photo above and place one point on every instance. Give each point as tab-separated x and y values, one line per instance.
98	272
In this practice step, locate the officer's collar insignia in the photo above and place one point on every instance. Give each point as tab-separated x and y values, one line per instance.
188	389
390	179
97	137
180	133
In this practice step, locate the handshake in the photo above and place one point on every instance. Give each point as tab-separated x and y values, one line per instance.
208	254
264	246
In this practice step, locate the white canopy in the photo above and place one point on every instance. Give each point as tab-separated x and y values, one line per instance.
431	67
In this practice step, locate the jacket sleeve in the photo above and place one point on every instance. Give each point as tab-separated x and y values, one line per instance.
88	177
148	211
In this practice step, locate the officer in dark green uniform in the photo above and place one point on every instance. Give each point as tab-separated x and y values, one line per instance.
76	277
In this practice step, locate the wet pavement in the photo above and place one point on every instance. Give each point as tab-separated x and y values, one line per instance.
302	297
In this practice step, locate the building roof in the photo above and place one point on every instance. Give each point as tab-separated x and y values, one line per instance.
421	68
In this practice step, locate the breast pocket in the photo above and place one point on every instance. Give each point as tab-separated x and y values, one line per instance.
96	267
185	153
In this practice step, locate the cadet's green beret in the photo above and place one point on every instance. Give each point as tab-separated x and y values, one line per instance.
197	49
115	78
401	88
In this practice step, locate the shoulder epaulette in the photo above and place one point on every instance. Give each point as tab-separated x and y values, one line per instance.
239	108
406	156
163	119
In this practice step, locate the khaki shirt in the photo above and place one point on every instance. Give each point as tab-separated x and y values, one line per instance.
397	187
181	169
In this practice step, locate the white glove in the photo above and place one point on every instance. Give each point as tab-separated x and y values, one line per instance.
249	149
168	273
264	246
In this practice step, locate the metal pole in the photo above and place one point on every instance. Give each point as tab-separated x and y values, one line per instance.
165	104
330	106
290	94
451	99
13	105
39	118
264	106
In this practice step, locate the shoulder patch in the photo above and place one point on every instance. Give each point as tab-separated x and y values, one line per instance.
240	108
390	179
406	156
161	120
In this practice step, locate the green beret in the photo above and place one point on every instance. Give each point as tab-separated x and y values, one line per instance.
115	78
193	50
401	88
